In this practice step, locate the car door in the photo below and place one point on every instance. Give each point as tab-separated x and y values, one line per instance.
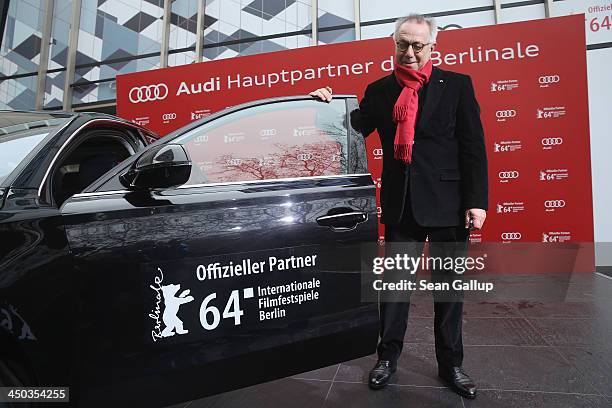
248	272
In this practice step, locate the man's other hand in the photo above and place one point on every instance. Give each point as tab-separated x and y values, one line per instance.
324	94
477	216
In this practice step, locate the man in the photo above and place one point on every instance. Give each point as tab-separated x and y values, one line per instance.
434	185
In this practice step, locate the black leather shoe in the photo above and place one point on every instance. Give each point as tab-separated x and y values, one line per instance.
459	382
381	374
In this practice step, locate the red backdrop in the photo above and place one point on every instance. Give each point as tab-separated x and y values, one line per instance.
530	80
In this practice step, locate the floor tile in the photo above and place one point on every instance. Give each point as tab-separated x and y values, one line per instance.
558	309
416	366
325	373
523	368
489	309
508	399
347	395
575	331
594	362
500	331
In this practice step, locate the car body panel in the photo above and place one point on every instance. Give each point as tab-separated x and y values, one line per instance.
131	277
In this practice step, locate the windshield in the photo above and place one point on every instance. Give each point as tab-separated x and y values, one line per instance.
20	134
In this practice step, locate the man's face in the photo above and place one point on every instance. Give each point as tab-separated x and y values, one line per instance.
413	32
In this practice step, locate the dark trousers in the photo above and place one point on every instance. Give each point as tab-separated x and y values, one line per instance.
409	238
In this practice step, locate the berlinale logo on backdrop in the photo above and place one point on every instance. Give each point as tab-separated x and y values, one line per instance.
142	121
233	137
504	115
504	85
199	114
378	153
508	175
510	207
553	205
205	165
551	112
556	236
267	161
511	236
547	80
304	131
507	146
549	142
553	174
148	93
475	238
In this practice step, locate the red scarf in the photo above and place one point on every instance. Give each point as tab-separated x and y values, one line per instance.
406	108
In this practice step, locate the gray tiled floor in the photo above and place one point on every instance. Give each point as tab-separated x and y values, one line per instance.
523	354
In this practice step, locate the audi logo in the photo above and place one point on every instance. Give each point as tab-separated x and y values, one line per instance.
552	141
549	79
508	174
305	156
148	93
169	116
511	236
377	152
234	162
554	203
509	113
267	132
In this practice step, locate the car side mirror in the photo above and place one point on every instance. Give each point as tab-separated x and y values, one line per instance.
163	166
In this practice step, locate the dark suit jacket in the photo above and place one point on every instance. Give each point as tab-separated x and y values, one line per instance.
448	173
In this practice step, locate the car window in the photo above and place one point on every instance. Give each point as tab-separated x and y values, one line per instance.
277	140
20	134
97	151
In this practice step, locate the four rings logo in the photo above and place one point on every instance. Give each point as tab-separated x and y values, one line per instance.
169	116
552	141
511	236
234	162
554	203
304	156
377	153
504	114
148	93
549	79
506	175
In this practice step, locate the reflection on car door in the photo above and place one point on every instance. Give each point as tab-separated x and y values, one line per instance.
249	272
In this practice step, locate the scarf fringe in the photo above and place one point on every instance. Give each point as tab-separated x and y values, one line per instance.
403	152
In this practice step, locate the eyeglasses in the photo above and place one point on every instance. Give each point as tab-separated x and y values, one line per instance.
416	46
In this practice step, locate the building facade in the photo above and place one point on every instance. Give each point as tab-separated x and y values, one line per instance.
66	54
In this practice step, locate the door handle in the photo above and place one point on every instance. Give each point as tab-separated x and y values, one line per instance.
345	221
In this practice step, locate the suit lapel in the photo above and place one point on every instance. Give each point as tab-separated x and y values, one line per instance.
434	91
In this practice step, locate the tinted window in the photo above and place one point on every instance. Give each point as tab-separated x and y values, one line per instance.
20	134
277	140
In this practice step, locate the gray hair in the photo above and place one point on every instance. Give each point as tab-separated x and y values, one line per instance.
419	19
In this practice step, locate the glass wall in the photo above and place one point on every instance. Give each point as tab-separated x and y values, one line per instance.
20	54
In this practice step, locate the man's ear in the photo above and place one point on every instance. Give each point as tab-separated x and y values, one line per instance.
433	46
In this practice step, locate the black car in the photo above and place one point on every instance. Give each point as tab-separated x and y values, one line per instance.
223	255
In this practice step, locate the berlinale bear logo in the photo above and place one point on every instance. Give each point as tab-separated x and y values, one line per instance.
172	303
